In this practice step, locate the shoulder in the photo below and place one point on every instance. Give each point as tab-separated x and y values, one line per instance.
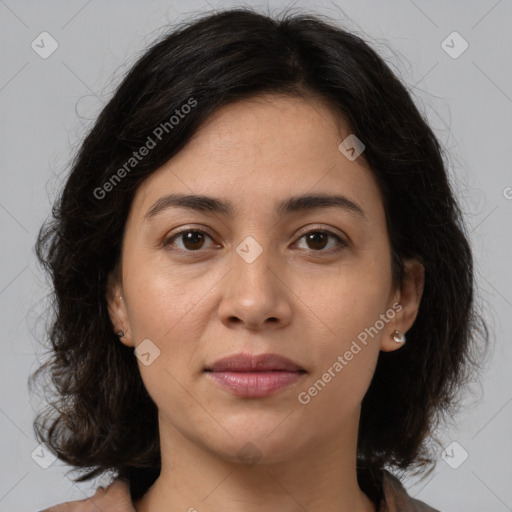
396	498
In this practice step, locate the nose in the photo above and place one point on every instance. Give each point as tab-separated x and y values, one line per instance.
255	294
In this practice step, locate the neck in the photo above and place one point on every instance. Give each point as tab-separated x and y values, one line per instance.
316	478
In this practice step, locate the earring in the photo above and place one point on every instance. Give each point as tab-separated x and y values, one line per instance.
398	336
120	334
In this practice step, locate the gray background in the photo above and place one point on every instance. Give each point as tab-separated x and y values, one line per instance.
47	104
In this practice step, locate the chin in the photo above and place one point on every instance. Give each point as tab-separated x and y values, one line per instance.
267	443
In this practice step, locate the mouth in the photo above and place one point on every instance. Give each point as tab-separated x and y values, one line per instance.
255	376
254	363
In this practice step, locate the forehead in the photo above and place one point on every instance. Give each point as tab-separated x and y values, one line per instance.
258	151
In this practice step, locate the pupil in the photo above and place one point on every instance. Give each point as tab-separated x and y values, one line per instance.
193	237
315	238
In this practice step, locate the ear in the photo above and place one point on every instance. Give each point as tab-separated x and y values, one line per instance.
409	297
117	308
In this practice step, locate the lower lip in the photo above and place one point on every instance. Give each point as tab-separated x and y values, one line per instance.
255	384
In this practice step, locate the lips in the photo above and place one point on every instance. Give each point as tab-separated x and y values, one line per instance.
254	376
254	363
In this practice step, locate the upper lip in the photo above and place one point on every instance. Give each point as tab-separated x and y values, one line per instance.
254	362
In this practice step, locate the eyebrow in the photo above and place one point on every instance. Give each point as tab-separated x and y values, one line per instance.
202	203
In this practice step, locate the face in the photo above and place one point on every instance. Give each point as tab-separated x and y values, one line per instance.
310	281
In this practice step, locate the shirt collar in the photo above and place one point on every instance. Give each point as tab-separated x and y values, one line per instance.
396	498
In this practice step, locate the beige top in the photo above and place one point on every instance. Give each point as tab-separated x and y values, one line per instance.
396	498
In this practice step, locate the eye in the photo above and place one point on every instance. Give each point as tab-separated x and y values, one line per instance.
317	240
192	239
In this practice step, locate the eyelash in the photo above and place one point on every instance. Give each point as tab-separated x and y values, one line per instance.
342	244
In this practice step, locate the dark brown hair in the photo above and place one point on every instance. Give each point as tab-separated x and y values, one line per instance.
100	417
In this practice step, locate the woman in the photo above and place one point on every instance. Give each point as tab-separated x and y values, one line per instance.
264	291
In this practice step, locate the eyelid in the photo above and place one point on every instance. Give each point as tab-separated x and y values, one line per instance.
328	229
168	238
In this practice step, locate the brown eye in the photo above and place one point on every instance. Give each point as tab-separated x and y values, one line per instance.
191	239
317	240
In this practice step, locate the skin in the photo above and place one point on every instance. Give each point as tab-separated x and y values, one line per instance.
116	497
298	299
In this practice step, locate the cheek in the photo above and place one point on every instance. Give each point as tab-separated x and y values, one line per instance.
166	307
161	298
347	300
333	395
347	310
346	353
163	307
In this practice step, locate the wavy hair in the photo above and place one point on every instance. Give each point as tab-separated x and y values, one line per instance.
99	416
